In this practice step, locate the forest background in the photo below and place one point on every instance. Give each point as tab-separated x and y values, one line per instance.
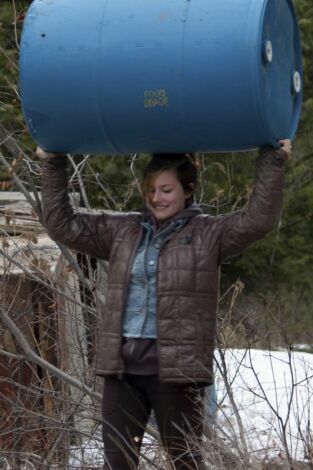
272	281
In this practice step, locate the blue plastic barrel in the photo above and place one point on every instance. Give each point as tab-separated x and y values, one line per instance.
124	76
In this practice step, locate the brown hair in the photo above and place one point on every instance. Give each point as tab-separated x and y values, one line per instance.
183	164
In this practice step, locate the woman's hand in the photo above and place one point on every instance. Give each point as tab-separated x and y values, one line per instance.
286	146
45	155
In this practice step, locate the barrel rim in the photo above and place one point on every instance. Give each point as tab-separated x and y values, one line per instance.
294	122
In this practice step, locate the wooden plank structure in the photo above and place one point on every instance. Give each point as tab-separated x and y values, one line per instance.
30	403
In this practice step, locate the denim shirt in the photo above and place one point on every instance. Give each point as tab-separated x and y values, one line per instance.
140	316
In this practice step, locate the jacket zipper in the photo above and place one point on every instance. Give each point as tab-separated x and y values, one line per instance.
156	271
168	238
157	308
147	283
125	292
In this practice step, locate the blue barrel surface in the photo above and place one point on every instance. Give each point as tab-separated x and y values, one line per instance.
121	76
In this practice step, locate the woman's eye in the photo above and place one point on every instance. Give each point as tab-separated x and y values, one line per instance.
167	191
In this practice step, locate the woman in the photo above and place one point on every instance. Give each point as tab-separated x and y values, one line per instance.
156	333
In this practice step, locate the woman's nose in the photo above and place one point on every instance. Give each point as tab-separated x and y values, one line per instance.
155	196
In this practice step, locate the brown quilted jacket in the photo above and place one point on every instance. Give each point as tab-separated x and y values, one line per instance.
187	275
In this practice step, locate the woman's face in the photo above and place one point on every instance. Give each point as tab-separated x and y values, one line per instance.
165	195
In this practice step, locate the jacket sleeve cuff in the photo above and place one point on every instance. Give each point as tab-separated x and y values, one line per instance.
276	156
60	161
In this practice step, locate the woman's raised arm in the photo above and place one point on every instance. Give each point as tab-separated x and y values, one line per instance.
87	233
260	216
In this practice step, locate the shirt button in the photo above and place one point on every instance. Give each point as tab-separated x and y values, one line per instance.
151	263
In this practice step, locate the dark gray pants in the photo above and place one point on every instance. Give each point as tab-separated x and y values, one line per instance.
127	404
